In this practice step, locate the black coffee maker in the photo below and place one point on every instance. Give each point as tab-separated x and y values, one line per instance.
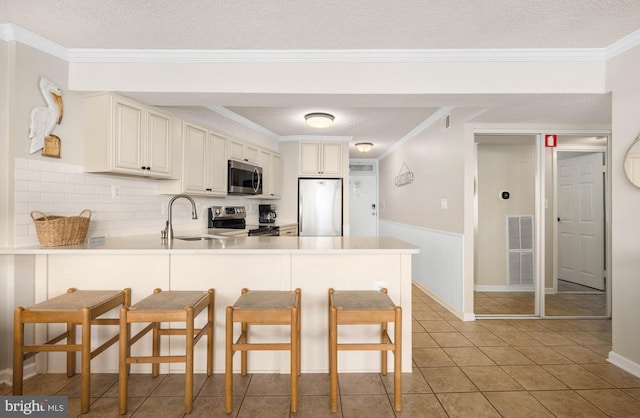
267	214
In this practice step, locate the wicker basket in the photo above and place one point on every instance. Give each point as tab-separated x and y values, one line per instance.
61	230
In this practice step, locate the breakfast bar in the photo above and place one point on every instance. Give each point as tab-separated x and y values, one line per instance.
228	264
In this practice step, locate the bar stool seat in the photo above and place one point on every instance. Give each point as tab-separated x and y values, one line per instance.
263	308
170	306
365	307
74	308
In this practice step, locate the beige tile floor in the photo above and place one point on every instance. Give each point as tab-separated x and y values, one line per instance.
487	368
522	303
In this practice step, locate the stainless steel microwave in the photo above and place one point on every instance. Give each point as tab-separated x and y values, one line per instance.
245	179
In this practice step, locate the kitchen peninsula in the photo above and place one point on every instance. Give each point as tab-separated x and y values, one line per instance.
228	264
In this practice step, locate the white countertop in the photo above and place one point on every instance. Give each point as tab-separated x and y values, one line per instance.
152	244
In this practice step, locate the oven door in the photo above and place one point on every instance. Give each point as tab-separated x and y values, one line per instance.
244	178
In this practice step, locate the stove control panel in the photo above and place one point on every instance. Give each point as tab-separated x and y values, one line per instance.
233	212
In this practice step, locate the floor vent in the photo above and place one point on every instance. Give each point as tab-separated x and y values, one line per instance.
520	249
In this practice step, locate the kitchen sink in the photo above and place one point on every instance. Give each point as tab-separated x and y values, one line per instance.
201	237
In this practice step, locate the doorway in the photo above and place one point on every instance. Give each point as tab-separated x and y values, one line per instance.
363	198
505	281
579	282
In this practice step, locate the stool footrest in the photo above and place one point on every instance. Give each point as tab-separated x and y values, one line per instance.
365	346
156	359
51	348
261	346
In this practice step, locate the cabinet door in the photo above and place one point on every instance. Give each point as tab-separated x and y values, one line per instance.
331	158
276	175
195	159
236	150
128	135
158	144
310	158
267	175
252	155
217	164
242	152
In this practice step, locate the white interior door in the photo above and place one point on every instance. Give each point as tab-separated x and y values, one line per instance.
363	206
581	220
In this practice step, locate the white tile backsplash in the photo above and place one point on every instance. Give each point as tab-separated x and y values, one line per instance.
55	188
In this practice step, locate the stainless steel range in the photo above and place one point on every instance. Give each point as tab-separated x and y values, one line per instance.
234	217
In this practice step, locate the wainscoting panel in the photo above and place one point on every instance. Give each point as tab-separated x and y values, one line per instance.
439	265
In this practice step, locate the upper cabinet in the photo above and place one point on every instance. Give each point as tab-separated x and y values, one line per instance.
271	175
243	152
204	163
127	137
321	158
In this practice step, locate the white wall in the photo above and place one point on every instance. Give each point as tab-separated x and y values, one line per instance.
623	81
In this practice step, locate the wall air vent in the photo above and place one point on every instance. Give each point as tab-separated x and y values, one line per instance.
520	250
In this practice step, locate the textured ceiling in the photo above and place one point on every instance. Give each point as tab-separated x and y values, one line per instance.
345	24
327	24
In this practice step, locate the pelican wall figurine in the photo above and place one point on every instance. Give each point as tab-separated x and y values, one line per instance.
44	119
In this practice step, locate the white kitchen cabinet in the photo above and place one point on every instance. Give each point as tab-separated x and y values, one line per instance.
244	152
126	137
321	158
271	175
204	162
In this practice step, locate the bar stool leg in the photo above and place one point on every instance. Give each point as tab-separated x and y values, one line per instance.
333	359
397	359
18	356
188	387
228	363
383	353
123	370
295	341
86	360
211	322
71	355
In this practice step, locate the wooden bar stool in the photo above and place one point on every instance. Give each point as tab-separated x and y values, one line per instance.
365	307
76	307
263	308
171	306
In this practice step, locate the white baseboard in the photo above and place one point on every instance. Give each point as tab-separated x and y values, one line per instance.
6	375
514	288
464	316
504	288
624	363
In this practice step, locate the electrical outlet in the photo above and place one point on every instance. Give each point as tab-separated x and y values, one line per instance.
379	285
115	192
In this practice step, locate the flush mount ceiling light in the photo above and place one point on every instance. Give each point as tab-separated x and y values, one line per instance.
364	146
319	120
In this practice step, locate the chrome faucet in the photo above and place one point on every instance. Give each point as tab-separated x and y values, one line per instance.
168	230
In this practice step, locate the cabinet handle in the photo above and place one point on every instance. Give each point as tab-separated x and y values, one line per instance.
208	190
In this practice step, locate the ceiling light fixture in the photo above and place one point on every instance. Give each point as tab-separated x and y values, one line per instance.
364	146
319	120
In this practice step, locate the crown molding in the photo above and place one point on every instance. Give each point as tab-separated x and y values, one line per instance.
622	45
434	118
12	33
243	121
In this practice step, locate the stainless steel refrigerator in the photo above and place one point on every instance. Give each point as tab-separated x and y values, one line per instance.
319	207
